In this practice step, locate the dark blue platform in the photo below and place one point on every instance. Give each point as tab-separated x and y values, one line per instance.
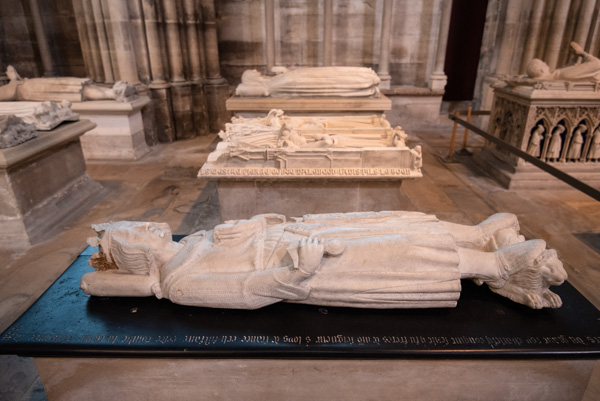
66	322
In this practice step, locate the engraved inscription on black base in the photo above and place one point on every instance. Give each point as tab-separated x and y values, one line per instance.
67	322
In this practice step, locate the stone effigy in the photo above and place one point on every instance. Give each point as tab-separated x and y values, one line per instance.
364	260
551	115
338	164
283	146
276	130
14	131
44	116
588	70
311	82
61	88
116	111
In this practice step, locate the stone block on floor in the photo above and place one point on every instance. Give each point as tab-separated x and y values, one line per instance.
119	132
43	182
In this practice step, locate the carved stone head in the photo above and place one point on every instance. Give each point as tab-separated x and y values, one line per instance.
536	68
128	246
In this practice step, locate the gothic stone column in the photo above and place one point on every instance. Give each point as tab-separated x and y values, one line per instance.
196	61
181	89
438	78
160	89
384	57
42	40
328	32
216	87
556	33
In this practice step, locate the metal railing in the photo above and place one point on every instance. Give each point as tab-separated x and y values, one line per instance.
463	150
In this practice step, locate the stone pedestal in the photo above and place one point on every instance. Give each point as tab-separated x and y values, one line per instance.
549	107
244	199
414	107
304	181
528	176
119	132
43	182
334	106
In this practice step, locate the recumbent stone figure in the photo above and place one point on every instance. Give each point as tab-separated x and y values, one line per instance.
364	260
588	70
310	82
62	88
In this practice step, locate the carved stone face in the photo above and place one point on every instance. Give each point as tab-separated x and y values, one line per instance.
125	240
536	68
552	268
143	233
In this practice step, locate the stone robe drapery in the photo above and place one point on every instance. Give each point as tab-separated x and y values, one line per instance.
390	260
588	70
311	82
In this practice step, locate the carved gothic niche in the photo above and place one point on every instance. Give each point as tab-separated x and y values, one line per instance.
593	150
553	145
541	112
574	142
536	138
589	113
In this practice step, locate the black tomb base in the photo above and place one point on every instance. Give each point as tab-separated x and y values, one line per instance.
65	322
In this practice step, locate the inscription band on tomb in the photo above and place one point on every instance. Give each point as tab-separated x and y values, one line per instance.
306	172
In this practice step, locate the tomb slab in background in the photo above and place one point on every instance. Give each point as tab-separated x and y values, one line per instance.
42	182
119	132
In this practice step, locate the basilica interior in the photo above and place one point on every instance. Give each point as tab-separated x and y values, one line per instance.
184	60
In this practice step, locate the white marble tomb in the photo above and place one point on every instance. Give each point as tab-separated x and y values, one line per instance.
292	164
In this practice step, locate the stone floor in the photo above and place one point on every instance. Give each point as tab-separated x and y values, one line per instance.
163	187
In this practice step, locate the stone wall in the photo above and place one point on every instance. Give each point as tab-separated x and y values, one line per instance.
299	30
60	24
19	45
188	52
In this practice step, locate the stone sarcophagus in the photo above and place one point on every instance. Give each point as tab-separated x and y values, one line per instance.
43	182
555	121
551	115
317	164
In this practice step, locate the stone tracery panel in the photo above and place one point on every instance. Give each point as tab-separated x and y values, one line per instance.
575	126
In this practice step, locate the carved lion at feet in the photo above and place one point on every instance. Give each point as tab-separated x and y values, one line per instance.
529	286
